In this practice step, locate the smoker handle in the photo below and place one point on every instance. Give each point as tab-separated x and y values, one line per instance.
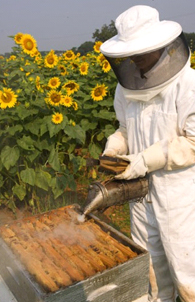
100	291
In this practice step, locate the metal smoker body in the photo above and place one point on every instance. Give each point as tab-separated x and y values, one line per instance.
102	195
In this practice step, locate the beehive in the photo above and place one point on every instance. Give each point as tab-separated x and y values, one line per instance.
55	257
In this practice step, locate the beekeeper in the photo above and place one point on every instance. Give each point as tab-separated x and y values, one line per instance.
155	106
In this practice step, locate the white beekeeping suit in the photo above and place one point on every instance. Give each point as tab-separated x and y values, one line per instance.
155	106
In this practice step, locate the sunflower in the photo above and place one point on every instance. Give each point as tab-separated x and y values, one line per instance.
84	68
106	66
51	59
74	65
69	55
66	101
54	98
18	37
71	87
27	63
75	106
54	82
26	105
57	118
71	122
62	69
38	59
97	45
101	58
99	92
7	98
35	53
18	91
11	58
37	83
193	60
193	63
28	44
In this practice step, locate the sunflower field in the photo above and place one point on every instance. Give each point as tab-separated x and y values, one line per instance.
56	111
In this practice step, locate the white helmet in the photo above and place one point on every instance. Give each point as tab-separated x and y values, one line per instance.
140	31
141	34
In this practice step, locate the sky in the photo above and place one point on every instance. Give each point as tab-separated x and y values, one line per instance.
63	24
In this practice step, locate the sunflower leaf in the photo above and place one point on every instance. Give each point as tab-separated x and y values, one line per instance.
109	129
76	132
9	156
28	176
58	186
23	113
104	114
42	179
33	128
56	128
14	129
19	191
86	125
53	160
26	143
94	150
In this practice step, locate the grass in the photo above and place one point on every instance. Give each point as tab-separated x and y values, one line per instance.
118	217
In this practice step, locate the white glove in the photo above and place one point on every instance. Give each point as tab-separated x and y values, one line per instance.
116	143
135	169
151	159
110	152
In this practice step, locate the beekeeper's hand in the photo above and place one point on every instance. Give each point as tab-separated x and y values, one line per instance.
110	152
116	143
135	169
151	159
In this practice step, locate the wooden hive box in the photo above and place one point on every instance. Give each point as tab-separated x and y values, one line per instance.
52	257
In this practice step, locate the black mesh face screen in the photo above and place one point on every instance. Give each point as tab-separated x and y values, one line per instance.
173	58
122	68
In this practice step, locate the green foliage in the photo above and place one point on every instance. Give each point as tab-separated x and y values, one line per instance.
106	32
85	47
41	156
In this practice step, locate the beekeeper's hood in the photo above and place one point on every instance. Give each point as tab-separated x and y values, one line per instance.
141	32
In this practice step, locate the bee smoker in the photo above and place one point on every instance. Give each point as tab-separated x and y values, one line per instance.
102	195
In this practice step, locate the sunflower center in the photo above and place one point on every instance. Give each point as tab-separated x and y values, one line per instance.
50	60
54	82
6	97
83	68
70	86
98	92
55	98
29	45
